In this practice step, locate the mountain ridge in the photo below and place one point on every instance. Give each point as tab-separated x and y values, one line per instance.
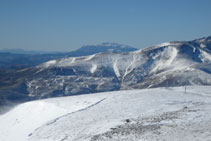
168	64
19	58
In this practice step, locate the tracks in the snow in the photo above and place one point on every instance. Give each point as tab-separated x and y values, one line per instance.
58	118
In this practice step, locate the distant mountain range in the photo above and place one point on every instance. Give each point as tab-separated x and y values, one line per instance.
171	64
19	58
22	51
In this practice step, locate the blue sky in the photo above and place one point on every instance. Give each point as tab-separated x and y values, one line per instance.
65	25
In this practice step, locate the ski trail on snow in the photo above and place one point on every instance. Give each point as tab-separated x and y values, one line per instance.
58	118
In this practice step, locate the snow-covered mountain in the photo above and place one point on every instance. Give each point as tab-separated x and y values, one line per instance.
148	114
168	64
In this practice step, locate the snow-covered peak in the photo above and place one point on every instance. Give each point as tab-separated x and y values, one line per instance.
168	44
167	64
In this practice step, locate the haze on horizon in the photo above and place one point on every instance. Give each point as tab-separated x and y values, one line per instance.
53	25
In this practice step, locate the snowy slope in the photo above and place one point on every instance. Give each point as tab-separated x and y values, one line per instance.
25	118
148	114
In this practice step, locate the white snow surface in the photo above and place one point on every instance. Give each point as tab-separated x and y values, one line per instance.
49	63
89	58
205	56
182	116
167	56
116	69
94	68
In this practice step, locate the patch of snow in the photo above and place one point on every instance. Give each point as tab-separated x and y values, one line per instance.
116	69
89	57
205	56
164	44
173	55
49	63
73	60
94	68
202	45
194	49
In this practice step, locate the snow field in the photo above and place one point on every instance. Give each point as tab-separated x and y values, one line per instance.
99	116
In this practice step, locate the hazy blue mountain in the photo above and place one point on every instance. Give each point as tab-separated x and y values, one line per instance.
22	51
18	58
104	47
